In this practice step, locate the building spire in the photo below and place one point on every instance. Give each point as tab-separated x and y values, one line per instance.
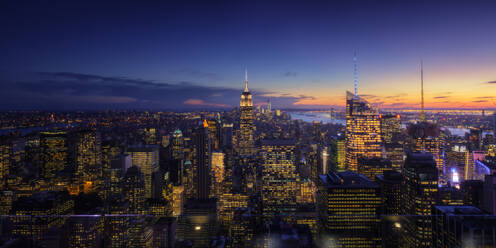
422	111
246	80
355	77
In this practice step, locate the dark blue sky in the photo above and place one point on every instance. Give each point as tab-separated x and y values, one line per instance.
185	54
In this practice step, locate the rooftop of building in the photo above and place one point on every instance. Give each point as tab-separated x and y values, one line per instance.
278	142
347	179
468	216
420	160
41	201
142	148
374	161
460	210
390	176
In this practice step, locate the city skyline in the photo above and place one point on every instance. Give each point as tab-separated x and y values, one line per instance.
169	56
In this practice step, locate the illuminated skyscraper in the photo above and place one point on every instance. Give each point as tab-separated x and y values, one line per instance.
4	163
349	210
177	145
420	186
217	174
134	190
89	157
426	137
317	131
53	152
341	154
371	167
146	158
214	133
325	159
390	183
363	132
390	128
246	139
391	134
279	177
227	135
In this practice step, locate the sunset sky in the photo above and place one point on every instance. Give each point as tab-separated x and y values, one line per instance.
185	55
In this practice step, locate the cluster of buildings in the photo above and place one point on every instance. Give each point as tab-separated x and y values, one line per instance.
247	178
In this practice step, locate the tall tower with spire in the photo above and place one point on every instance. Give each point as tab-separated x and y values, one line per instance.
363	136
246	142
422	111
355	76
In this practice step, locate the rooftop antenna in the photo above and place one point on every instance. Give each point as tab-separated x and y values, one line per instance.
246	80
422	111
355	77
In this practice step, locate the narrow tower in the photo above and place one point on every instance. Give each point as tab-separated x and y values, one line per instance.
355	76
246	143
422	111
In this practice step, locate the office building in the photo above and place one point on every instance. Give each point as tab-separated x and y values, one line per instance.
53	153
146	158
420	194
246	138
373	166
279	177
462	226
349	205
363	131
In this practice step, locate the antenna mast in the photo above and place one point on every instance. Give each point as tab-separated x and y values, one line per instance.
355	77
422	111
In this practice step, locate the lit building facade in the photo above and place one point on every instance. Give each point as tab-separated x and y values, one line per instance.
246	138
89	157
279	177
217	174
177	145
420	186
146	158
462	226
363	131
53	153
373	166
348	208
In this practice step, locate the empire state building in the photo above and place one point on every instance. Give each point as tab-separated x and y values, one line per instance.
246	143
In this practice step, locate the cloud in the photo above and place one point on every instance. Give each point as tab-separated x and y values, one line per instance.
290	74
479	101
441	97
201	103
70	90
197	74
492	82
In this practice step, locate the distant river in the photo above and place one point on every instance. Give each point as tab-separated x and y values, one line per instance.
308	116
